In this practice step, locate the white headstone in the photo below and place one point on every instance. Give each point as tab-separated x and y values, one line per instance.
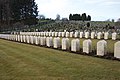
32	39
76	34
75	45
56	42
21	38
50	34
86	34
87	46
28	39
117	49
39	38
24	38
49	41
99	35
9	37
12	37
60	34
43	41
65	44
18	38
92	35
47	33
67	34
81	34
53	34
71	34
56	34
35	33
106	35
39	33
114	36
1	36
36	40
101	48
63	34
42	33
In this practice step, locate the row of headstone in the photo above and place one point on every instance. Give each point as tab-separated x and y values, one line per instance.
92	35
65	43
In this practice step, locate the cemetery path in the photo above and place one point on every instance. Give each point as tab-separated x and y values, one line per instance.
28	62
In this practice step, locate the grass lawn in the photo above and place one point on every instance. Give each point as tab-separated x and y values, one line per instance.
28	62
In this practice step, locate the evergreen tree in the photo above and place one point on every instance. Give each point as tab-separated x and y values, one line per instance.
78	17
84	17
70	17
27	11
19	10
89	18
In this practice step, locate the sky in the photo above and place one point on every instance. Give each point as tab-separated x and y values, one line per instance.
100	10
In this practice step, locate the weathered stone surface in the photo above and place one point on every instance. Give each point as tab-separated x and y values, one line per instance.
92	35
60	34
32	39
81	34
42	33
65	44
24	38
114	36
106	35
18	38
99	35
50	34
86	34
63	34
21	38
56	34
71	34
87	46
43	41
76	34
117	49
47	33
49	41
56	42
37	40
28	39
75	45
67	34
101	48
53	34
